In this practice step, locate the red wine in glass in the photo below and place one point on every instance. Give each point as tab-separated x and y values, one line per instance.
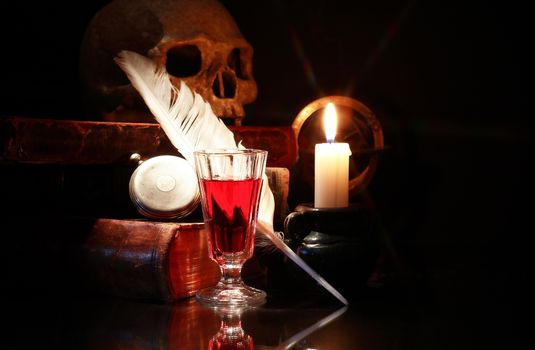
231	206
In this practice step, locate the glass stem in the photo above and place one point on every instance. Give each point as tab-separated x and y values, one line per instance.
231	274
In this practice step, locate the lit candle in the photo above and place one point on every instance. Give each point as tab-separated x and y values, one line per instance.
331	167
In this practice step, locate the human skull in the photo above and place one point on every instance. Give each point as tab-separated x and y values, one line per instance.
197	41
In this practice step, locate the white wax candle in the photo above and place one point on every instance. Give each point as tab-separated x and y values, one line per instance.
331	163
331	175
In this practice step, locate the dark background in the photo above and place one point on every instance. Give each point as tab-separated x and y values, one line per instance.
446	80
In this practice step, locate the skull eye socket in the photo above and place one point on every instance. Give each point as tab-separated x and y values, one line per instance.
183	61
234	62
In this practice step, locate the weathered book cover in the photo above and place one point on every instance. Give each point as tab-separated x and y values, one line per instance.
135	259
147	260
87	142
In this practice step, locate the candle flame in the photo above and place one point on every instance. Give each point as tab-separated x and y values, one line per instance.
329	122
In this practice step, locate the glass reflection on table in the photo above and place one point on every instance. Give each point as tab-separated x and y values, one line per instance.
117	324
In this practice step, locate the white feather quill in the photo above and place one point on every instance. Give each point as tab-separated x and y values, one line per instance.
190	124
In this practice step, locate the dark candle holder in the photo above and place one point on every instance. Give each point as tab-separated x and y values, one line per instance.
341	244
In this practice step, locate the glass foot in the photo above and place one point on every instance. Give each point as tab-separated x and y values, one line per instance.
230	295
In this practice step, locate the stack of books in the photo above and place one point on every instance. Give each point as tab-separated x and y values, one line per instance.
69	220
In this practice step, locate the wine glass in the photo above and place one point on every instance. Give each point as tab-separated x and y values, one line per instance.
230	181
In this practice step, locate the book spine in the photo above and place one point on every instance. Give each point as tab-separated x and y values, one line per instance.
148	260
134	259
85	142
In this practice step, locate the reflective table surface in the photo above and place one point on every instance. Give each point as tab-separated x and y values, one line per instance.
376	318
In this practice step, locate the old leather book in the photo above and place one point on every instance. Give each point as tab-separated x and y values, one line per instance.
83	167
148	260
134	259
41	141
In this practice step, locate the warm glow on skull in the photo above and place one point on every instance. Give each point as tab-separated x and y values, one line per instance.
197	41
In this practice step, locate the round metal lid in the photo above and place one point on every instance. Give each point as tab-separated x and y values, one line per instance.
164	187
